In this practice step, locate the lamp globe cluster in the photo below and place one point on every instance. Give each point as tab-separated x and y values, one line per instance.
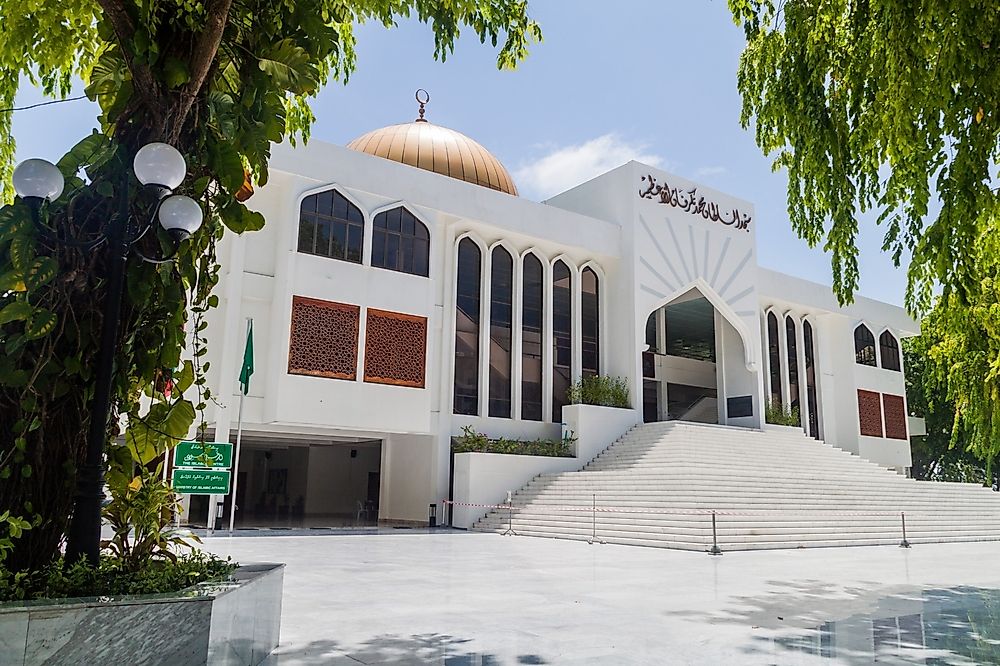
157	165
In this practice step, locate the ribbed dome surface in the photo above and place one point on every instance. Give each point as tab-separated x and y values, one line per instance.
437	149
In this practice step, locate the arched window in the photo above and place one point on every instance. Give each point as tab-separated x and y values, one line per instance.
531	339
793	362
774	358
467	329
864	345
811	398
889	348
331	226
590	318
400	242
501	323
562	336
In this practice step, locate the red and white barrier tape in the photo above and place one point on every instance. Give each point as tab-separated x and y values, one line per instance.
812	513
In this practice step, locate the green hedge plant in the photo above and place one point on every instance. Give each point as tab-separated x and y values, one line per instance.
600	390
472	441
776	413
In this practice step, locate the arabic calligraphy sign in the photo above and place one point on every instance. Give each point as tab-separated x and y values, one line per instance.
201	481
691	202
208	455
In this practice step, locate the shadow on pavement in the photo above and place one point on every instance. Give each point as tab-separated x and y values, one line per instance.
420	649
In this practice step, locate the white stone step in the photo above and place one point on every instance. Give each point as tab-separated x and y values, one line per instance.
769	489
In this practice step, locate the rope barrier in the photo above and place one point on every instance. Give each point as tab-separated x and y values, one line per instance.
714	550
679	512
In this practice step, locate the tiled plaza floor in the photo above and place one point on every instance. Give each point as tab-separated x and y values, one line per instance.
456	599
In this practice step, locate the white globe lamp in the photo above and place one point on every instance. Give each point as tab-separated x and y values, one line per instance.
159	164
38	179
180	215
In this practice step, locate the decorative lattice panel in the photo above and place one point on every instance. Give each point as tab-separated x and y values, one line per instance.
324	339
895	416
395	348
870	413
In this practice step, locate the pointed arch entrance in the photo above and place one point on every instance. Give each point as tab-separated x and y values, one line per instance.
695	362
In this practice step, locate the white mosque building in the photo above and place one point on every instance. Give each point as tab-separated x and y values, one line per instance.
402	290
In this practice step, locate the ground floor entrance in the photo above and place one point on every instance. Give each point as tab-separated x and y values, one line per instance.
303	484
693	366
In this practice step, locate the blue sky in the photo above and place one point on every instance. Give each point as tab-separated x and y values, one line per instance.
647	80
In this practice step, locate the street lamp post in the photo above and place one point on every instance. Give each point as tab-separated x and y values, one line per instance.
159	168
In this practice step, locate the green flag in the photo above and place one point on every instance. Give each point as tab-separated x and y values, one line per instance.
247	368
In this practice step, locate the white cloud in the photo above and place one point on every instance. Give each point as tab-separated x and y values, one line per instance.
709	171
569	166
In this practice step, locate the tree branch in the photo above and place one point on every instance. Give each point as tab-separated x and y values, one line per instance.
124	28
202	57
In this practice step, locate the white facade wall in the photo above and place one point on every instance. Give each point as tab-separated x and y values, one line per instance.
645	253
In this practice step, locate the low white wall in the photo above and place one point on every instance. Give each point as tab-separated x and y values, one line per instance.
596	428
485	478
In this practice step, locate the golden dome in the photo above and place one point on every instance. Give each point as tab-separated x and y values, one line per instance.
437	149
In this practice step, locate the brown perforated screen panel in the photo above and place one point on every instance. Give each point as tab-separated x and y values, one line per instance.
324	339
870	413
895	416
395	348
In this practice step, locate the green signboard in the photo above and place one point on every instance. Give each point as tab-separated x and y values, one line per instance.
204	455
201	481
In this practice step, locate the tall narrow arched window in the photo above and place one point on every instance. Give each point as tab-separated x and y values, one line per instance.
774	358
331	226
562	336
590	319
811	397
793	362
467	329
400	242
501	331
889	349
864	345
532	300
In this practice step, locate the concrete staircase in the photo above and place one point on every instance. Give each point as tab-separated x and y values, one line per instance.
659	483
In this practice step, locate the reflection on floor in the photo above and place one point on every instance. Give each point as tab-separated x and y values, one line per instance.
934	626
308	521
455	598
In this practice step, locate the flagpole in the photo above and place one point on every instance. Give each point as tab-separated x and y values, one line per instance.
239	441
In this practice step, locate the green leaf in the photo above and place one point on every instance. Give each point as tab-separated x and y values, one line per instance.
41	271
41	323
290	67
184	378
91	151
22	251
11	281
16	311
176	72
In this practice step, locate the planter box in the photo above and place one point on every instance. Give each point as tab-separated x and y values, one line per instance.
791	430
227	623
485	478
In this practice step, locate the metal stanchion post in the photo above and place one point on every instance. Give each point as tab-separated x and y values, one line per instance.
510	516
715	539
904	543
593	516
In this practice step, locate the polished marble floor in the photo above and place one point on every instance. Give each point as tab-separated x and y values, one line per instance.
460	599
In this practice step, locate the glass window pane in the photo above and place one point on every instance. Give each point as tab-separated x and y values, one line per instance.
307	234
323	238
420	263
392	251
531	334
378	248
354	241
339	246
324	202
562	343
466	394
